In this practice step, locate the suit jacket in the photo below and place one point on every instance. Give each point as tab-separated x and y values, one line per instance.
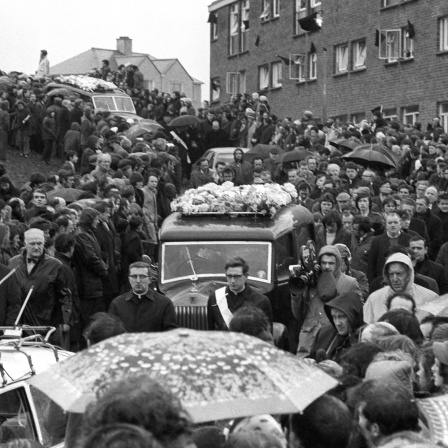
377	255
435	271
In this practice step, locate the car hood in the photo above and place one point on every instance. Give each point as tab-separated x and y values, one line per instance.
183	293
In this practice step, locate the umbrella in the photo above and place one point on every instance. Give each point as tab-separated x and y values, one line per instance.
437	307
216	375
184	120
143	127
371	156
62	91
263	150
68	194
296	155
436	412
345	145
380	148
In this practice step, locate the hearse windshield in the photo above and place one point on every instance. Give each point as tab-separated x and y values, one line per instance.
181	260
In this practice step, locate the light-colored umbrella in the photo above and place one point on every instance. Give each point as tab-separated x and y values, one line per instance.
436	412
216	375
438	307
68	194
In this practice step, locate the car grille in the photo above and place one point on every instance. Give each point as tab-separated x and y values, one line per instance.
194	317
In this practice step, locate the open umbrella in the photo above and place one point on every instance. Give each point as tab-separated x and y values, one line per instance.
60	92
216	375
436	412
68	194
142	127
371	156
345	145
380	148
296	155
5	82
263	150
184	120
437	307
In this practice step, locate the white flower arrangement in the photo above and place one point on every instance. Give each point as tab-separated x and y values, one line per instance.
86	83
264	199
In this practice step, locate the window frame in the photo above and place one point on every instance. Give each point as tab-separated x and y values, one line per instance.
443	115
270	10
276	80
300	67
237	79
341	65
385	47
214	29
315	3
215	97
389	114
355	54
234	28
443	33
267	76
408	112
312	66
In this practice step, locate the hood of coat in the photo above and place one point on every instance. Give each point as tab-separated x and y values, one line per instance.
350	304
87	217
403	259
332	250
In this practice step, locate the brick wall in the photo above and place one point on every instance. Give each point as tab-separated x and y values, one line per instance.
421	81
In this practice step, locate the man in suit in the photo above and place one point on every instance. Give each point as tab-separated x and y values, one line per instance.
225	301
380	245
427	267
416	225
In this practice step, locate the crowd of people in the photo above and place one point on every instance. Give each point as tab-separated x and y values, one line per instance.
79	241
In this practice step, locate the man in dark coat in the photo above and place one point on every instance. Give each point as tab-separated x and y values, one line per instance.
64	245
90	267
345	315
143	309
10	297
381	244
442	213
427	267
51	300
106	237
225	301
433	224
63	125
76	113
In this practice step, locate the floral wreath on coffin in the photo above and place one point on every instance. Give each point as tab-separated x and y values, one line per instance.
264	199
86	83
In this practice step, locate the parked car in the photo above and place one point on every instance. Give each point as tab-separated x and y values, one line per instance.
215	155
25	412
194	250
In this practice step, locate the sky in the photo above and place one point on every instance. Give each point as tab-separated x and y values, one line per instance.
162	28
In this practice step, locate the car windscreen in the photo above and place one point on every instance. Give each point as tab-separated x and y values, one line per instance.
114	103
181	260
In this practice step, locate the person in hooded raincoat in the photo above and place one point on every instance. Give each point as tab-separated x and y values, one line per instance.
344	313
308	304
398	273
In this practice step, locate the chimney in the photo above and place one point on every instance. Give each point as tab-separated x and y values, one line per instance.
124	45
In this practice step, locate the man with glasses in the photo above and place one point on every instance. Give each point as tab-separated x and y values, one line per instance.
142	309
223	303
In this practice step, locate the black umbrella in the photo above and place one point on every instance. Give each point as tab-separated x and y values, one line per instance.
264	150
296	155
345	145
371	157
184	120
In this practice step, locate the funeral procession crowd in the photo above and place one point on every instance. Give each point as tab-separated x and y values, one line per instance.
82	247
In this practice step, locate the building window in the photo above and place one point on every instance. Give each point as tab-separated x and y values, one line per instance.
390	114
312	66
263	77
390	44
407	45
341	58
314	3
359	51
410	115
234	28
443	34
214	28
385	3
239	26
215	89
236	82
276	70
357	118
443	112
300	11
271	9
176	87
297	68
